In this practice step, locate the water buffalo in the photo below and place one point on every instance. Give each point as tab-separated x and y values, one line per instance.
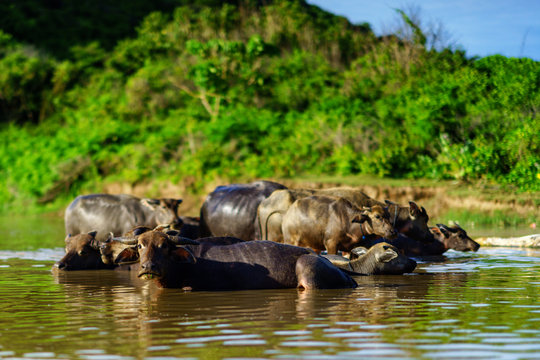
190	227
332	224
243	265
380	259
411	220
115	250
454	237
118	214
445	238
82	253
231	210
271	210
355	196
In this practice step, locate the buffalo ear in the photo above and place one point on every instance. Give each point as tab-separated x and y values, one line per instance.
93	233
127	256
359	251
171	203
387	255
184	255
435	230
444	229
414	210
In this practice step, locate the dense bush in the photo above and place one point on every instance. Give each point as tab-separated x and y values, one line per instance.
245	90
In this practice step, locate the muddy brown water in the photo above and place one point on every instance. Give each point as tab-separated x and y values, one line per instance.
482	305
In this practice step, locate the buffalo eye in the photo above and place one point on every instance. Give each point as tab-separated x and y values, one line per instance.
139	246
377	216
82	252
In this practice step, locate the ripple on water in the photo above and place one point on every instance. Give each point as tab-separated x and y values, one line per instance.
309	343
206	339
38	255
39	355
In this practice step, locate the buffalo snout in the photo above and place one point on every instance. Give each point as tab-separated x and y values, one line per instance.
410	266
149	270
60	265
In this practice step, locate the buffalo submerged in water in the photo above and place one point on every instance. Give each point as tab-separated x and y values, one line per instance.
239	266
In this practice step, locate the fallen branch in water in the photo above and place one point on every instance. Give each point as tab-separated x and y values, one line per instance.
524	241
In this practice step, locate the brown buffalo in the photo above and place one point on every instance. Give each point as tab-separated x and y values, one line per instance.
355	196
113	249
242	265
380	259
411	220
332	224
122	250
82	253
271	210
118	214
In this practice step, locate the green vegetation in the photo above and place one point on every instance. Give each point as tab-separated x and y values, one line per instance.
238	90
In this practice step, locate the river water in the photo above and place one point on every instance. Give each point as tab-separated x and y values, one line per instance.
483	305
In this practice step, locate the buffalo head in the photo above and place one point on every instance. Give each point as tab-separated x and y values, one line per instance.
411	221
389	260
158	252
123	250
381	258
82	253
454	237
165	211
376	220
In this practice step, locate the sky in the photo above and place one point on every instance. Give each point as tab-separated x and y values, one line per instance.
480	27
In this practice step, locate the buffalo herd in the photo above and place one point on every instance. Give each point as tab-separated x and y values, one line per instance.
260	235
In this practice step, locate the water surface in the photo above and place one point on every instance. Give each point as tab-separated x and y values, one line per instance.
483	305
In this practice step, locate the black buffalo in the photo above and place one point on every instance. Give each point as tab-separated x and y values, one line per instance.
118	214
445	238
231	210
241	265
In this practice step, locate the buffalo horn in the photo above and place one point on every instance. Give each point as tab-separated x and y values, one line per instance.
126	241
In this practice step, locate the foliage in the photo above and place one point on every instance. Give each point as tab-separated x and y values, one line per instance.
247	89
